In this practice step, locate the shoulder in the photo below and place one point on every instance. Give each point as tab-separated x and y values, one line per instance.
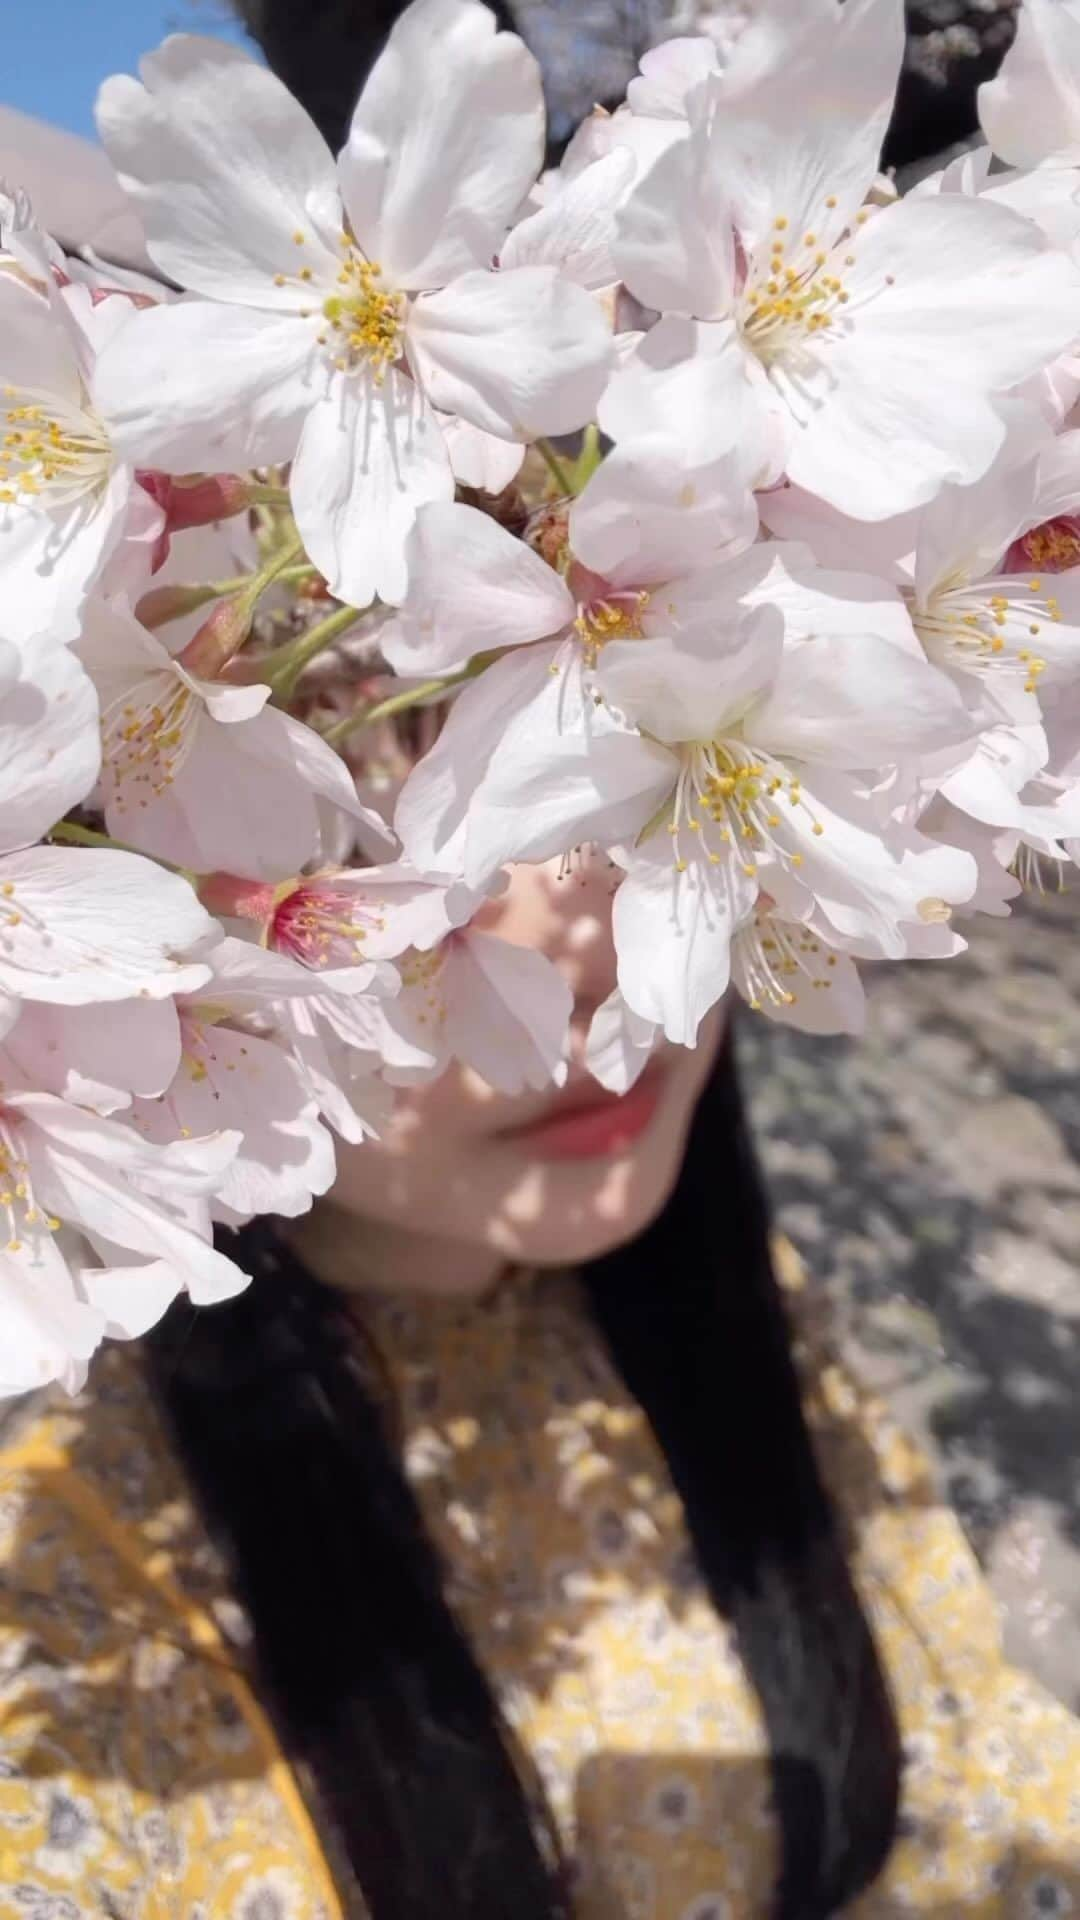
133	1755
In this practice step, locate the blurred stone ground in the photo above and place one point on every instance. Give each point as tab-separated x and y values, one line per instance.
930	1176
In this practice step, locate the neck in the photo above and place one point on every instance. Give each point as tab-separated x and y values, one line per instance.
359	1255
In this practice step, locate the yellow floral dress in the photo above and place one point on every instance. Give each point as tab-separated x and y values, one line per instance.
140	1779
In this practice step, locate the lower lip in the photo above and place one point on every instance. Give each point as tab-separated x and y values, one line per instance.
595	1132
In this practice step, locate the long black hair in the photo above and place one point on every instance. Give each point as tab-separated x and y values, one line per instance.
428	1808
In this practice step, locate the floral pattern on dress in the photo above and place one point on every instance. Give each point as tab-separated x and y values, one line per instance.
140	1779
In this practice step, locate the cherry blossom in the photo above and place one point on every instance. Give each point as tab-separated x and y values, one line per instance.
64	492
522	745
203	773
71	1180
1031	112
790	635
340	306
798	321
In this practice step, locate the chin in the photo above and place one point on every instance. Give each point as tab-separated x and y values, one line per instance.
575	1212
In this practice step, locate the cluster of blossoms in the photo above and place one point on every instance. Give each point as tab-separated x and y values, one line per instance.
308	632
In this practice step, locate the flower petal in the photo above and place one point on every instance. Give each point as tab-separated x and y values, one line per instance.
433	806
224	166
479	459
508	1012
445	142
49	744
575	228
694	382
786	972
675	242
691	687
620	1044
1031	112
858	701
370	455
673	934
565	771
647	515
83	924
520	353
912	374
201	386
472	587
49	1333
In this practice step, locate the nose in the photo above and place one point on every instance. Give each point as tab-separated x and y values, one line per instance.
563	908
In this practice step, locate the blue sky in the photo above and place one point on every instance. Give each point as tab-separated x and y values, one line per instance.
57	52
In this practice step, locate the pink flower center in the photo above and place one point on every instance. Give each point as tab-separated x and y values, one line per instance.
322	925
1053	547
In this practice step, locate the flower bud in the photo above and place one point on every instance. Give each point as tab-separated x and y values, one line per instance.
221	635
162	604
234	898
204	497
196	499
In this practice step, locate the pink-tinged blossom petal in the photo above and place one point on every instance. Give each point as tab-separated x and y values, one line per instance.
620	1044
95	1056
1030	112
565	771
575	228
200	386
371	454
785	971
83	924
508	1012
855	700
49	748
49	1332
692	688
787	145
472	588
857	883
669	73
520	353
673	925
224	166
364	914
120	1189
230	1078
446	140
63	495
433	806
1003	309
479	459
675	241
695	383
647	515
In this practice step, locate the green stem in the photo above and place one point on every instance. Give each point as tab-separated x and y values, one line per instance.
555	467
70	833
291	660
260	495
288	575
396	703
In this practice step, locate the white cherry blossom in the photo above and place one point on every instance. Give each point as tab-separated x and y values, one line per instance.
857	349
340	306
64	492
1030	112
764	743
526	743
204	773
72	1181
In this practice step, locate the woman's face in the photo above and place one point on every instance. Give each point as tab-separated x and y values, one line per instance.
545	1178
